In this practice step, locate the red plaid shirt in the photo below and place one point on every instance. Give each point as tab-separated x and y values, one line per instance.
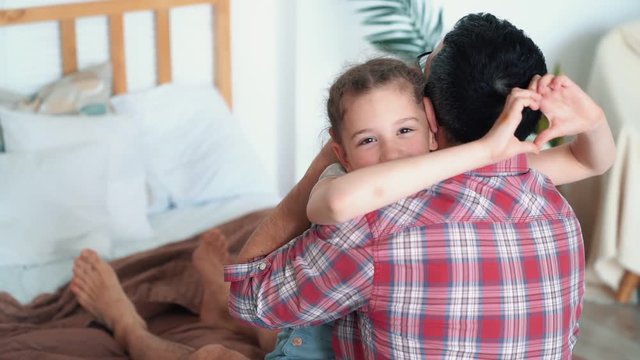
488	264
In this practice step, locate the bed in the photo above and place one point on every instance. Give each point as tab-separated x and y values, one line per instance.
135	175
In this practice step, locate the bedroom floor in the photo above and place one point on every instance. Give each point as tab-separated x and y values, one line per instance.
609	331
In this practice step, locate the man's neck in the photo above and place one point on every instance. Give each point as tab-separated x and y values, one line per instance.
443	139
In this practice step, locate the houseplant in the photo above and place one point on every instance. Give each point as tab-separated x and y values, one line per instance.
404	28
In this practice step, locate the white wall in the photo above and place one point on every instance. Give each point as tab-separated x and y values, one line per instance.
287	52
258	101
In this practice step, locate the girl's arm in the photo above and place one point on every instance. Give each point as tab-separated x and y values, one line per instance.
338	199
571	111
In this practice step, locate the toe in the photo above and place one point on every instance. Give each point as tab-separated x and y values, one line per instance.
92	256
80	268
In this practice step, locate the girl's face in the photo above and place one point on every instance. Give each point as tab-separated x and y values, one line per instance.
381	125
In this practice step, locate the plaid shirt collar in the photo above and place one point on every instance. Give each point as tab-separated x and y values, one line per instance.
516	165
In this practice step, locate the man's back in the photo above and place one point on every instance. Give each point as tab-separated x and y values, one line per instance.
488	264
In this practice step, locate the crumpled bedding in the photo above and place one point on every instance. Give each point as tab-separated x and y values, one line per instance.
162	283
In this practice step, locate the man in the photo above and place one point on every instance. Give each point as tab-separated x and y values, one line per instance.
445	311
489	264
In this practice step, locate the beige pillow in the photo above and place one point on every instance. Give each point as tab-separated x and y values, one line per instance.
84	92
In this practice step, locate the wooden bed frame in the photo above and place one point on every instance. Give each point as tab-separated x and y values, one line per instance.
66	16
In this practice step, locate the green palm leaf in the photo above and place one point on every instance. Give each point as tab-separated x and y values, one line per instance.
404	28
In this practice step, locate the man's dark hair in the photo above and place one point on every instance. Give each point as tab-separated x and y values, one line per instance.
482	59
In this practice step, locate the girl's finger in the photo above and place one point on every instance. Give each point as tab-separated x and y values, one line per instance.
543	84
533	85
545	136
529	147
561	81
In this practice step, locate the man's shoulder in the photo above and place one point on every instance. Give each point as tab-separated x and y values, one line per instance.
470	198
553	200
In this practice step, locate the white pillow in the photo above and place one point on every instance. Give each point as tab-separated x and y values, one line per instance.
52	204
126	196
196	151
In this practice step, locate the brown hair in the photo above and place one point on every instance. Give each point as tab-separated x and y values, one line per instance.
362	78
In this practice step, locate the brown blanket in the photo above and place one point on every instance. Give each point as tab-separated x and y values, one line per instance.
161	282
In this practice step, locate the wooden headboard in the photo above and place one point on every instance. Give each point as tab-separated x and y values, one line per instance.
66	16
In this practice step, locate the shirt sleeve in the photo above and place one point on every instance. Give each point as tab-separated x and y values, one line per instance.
320	276
332	171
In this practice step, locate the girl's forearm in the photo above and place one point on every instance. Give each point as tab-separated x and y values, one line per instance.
595	149
591	153
364	190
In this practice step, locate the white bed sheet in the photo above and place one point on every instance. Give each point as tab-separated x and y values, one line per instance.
26	282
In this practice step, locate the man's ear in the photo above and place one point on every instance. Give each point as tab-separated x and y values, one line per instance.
433	123
338	150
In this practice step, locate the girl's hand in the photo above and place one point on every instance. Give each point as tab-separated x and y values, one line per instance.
569	109
501	140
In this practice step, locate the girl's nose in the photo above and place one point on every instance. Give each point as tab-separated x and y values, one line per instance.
390	152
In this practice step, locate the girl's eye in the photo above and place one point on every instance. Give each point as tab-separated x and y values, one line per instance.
405	130
366	141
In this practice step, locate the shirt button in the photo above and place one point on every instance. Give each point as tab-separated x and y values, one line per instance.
262	266
296	341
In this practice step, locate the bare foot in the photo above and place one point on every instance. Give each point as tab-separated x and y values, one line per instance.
98	290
